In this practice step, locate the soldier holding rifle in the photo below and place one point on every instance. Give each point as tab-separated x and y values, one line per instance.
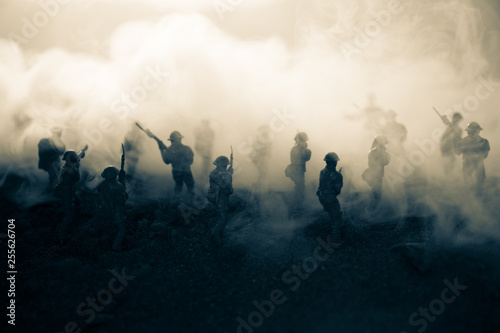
451	136
114	196
66	189
474	150
221	187
181	158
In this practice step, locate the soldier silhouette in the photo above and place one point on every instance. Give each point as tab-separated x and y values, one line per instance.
181	158
378	158
330	185
221	187
132	144
50	151
261	151
474	150
66	189
450	139
114	196
204	142
299	155
395	132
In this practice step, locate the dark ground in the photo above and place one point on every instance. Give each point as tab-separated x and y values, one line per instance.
183	284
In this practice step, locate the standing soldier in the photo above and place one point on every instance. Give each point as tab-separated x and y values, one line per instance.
474	149
330	185
299	155
261	151
181	158
114	196
66	189
378	158
221	187
50	151
395	132
451	137
204	142
132	144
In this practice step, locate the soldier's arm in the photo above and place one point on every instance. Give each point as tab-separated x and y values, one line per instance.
486	148
307	154
165	155
339	184
387	158
189	155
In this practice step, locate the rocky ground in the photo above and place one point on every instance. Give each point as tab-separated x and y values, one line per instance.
275	273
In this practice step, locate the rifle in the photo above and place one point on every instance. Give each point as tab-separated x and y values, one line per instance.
152	136
121	175
230	169
444	119
81	154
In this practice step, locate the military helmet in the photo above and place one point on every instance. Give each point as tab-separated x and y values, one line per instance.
473	126
301	136
457	115
70	155
380	140
222	161
110	172
331	157
175	136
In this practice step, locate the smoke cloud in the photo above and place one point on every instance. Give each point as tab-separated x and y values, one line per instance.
168	72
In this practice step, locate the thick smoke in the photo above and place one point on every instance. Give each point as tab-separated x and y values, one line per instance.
168	73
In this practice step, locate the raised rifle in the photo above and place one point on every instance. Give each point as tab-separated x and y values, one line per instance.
444	119
230	169
81	154
121	175
152	136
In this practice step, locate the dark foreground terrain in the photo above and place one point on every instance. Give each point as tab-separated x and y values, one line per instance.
274	274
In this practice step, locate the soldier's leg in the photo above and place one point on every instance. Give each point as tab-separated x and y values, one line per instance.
299	188
376	193
336	218
179	180
54	170
188	179
121	223
480	178
68	217
218	230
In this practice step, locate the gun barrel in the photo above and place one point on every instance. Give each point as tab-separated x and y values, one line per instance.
437	111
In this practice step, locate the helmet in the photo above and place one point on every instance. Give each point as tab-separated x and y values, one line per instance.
175	136
301	136
473	126
331	157
380	140
70	155
222	161
110	172
457	116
